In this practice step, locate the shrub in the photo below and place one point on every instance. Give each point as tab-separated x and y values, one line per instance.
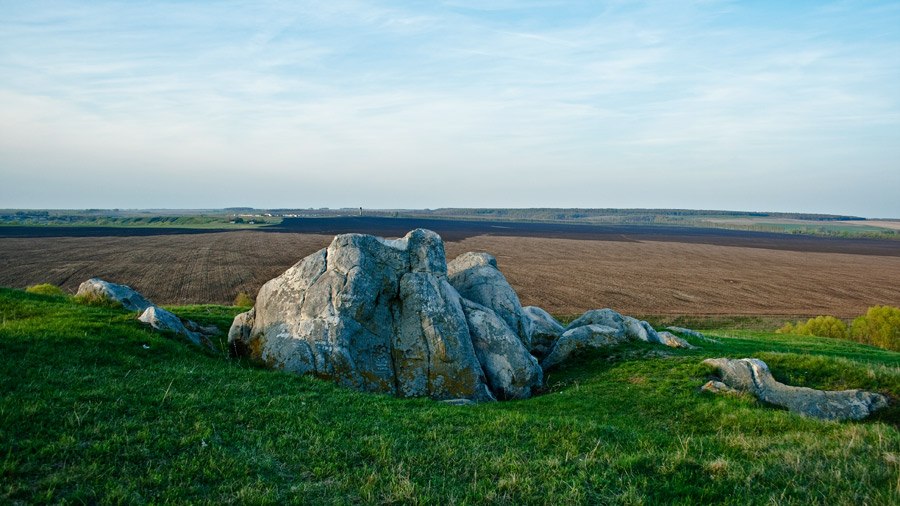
880	326
46	289
823	326
243	300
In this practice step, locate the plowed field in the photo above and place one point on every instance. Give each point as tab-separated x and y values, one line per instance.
633	273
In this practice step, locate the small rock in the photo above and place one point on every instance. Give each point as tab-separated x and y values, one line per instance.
163	320
717	387
673	341
96	288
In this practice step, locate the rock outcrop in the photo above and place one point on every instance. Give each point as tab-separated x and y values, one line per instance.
753	376
372	314
393	316
602	328
151	314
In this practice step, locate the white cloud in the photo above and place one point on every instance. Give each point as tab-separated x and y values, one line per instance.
329	104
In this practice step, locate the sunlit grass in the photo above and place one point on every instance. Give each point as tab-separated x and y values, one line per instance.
98	409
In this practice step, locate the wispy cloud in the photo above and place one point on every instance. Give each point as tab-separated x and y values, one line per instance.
703	104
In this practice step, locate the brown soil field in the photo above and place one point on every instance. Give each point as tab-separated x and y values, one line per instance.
632	274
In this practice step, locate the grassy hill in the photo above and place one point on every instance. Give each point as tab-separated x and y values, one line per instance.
97	409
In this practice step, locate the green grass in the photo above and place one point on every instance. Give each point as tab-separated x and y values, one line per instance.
97	409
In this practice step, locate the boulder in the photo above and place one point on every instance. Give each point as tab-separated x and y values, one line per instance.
626	329
585	336
155	316
687	332
511	371
239	334
477	278
606	317
671	340
753	376
372	314
545	330
166	321
96	288
639	330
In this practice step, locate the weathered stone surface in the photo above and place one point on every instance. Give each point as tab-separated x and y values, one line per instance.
96	288
239	333
639	330
606	317
477	278
584	336
371	314
545	330
671	340
630	328
166	321
512	373
753	376
717	387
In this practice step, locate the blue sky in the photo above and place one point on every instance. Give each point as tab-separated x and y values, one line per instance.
790	106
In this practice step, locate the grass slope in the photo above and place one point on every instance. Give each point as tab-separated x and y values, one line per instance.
97	409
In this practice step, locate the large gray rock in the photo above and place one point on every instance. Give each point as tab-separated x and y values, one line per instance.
98	289
477	278
545	330
371	314
753	376
582	337
166	321
512	373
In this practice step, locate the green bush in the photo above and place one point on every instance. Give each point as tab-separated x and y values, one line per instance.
243	300
823	326
46	289
880	326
